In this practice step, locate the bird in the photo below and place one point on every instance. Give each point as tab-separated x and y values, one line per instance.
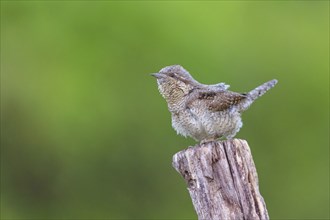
204	112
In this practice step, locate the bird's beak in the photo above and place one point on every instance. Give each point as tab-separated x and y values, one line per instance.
157	75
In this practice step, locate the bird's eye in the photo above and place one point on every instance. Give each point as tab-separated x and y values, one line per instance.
171	74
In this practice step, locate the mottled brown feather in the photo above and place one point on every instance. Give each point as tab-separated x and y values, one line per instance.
214	101
221	100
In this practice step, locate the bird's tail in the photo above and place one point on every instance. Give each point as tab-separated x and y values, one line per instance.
260	90
257	92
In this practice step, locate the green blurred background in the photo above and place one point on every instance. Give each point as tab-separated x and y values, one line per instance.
86	135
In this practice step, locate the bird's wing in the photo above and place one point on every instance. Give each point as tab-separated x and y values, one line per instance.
216	101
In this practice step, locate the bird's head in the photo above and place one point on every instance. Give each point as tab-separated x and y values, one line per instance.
174	81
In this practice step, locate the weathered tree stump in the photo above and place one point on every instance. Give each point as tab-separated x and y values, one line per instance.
222	180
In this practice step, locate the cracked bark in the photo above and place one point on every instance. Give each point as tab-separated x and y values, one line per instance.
222	180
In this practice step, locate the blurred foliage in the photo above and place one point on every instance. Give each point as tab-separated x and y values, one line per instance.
85	133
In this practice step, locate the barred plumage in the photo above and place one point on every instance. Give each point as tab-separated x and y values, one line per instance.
204	112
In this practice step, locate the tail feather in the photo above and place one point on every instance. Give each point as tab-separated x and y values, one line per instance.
260	90
256	93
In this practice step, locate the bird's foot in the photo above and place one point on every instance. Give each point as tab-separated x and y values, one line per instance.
205	141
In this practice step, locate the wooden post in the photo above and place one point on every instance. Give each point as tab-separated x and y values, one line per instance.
222	180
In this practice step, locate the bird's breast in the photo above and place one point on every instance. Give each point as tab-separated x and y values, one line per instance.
203	124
